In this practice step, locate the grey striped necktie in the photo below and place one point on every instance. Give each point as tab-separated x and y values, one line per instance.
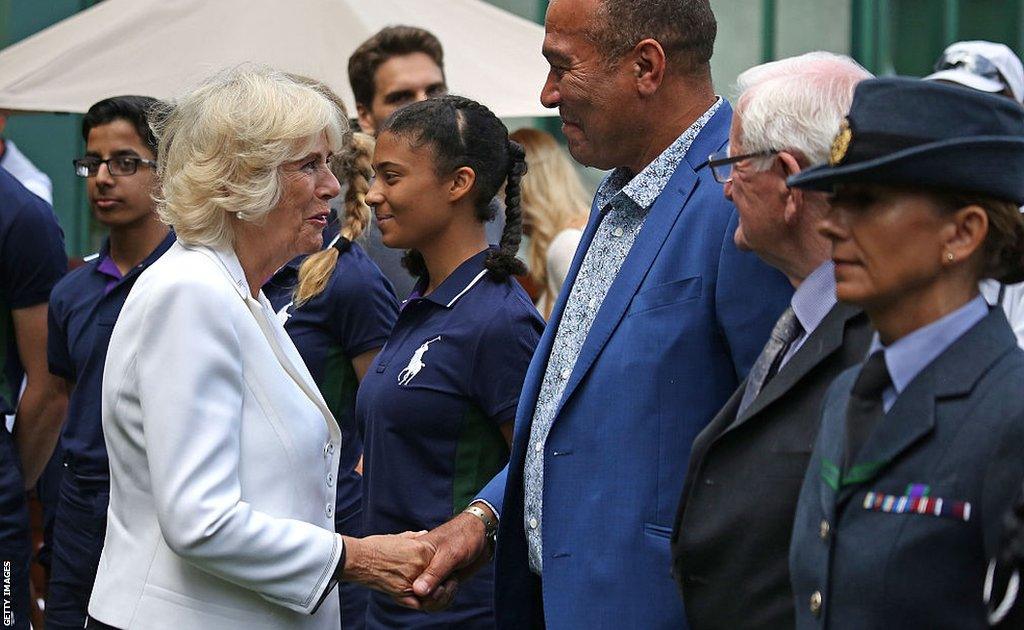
786	331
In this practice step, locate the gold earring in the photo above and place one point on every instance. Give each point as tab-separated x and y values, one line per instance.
950	257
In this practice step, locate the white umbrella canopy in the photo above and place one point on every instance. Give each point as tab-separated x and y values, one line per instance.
162	49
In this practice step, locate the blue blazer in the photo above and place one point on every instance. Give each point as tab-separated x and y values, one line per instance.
902	540
681	325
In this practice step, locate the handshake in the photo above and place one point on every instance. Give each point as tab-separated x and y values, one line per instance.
420	570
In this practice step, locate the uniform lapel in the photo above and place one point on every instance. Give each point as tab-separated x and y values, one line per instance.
824	340
953	374
826	466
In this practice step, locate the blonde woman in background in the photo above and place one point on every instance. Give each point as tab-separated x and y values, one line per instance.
223	453
555	207
338	309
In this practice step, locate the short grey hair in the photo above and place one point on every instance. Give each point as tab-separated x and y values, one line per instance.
686	30
222	146
796	104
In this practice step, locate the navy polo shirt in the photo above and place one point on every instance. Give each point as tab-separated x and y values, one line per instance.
83	309
450	375
354	314
32	260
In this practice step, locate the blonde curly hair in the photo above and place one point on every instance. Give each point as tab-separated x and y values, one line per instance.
222	145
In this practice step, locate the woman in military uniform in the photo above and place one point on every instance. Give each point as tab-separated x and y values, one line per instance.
921	449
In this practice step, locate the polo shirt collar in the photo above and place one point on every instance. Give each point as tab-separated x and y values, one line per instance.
104	254
464	278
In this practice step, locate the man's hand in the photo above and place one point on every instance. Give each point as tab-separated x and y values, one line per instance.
386	563
460	549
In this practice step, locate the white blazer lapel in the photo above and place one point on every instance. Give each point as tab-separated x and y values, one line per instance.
280	344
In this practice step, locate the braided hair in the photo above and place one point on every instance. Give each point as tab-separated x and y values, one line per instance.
464	133
352	166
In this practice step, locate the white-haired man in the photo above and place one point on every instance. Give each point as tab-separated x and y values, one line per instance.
731	536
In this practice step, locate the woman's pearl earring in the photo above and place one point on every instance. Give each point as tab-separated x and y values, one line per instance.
950	257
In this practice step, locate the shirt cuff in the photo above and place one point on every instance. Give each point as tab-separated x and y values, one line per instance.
497	515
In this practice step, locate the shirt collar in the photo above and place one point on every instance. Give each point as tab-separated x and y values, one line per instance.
457	284
105	264
648	184
815	297
911	354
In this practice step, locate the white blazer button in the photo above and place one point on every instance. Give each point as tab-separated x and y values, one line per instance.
617	231
533	523
329	510
565	374
539	446
330	480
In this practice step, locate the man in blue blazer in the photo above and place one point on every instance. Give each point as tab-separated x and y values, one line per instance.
659	320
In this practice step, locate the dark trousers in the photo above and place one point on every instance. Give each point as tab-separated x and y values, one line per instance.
353	596
79	528
48	490
15	545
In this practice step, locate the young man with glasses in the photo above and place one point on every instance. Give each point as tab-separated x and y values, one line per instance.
120	171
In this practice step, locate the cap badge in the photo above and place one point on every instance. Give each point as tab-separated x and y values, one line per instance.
840	144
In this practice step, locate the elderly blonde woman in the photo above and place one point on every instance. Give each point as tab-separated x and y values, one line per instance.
223	453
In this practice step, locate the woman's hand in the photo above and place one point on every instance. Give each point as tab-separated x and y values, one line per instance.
386	563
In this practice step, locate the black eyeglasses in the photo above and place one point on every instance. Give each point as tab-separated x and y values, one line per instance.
118	166
721	163
973	63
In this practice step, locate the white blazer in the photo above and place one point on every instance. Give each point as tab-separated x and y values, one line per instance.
223	457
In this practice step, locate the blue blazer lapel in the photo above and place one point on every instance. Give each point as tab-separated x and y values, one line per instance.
662	215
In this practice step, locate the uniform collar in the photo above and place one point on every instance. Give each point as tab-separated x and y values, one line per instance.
464	278
908	356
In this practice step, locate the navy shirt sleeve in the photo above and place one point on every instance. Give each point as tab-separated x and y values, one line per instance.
57	355
363	306
32	257
502	357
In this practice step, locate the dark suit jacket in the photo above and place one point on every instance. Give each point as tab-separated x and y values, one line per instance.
887	559
731	536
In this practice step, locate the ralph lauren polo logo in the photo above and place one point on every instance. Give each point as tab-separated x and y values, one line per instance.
416	362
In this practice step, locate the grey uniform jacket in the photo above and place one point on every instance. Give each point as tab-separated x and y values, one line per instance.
902	540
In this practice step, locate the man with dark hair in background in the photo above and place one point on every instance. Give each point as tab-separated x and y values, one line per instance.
397	66
120	171
660	318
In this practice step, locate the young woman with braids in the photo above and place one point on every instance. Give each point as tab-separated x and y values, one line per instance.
338	309
439	401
